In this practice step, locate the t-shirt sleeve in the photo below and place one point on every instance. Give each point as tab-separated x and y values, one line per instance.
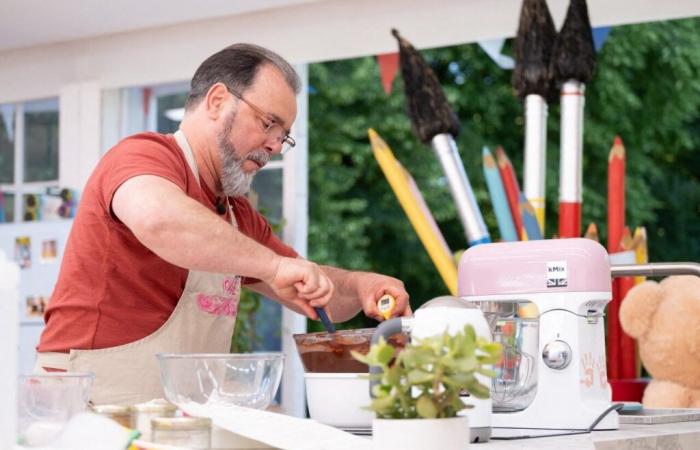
254	225
142	154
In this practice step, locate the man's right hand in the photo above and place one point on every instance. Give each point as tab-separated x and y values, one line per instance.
301	283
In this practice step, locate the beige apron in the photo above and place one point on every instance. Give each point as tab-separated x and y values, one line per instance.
202	322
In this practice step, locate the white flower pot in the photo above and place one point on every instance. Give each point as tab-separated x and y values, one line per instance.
421	434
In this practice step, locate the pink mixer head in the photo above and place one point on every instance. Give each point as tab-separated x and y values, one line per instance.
528	267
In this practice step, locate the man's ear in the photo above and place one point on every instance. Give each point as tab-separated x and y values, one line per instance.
215	100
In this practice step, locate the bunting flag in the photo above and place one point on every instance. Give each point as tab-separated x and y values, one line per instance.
388	66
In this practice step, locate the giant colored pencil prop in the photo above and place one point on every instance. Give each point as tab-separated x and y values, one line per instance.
616	225
628	352
616	195
530	224
512	188
641	253
532	82
418	214
498	198
641	249
573	63
434	122
592	232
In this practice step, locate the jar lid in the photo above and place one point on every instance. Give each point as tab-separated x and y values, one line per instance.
181	423
113	410
155	406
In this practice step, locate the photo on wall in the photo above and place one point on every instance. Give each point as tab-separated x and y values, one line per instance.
48	251
35	305
23	252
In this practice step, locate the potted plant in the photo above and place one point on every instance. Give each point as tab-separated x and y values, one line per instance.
424	381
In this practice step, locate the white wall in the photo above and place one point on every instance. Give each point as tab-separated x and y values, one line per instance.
310	32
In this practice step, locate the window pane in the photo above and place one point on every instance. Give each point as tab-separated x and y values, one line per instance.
7	207
7	144
170	111
267	187
41	141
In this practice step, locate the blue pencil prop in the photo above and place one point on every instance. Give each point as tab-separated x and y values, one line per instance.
530	223
327	324
498	197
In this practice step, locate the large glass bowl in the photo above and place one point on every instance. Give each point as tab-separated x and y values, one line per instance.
45	403
221	379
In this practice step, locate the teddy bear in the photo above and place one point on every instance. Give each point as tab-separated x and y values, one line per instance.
665	319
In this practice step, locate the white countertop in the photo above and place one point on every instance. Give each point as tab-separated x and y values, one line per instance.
675	436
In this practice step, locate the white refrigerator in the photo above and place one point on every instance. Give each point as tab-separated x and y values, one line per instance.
37	247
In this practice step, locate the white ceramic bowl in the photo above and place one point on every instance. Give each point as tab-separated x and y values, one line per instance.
337	399
242	379
45	403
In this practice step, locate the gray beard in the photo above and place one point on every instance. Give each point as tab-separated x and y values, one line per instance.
235	182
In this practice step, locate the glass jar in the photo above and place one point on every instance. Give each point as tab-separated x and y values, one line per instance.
188	432
143	413
118	413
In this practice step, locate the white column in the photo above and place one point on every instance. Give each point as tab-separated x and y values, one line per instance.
295	195
79	133
9	334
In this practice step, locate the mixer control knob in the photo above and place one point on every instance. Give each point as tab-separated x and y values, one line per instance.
557	355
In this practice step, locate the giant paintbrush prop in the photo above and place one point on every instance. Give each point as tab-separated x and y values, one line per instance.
573	63
532	82
434	122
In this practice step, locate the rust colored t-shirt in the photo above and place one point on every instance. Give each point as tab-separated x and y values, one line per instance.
111	290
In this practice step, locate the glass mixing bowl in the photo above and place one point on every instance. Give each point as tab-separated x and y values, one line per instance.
222	379
45	403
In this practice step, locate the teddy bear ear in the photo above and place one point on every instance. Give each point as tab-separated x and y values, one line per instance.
638	308
685	289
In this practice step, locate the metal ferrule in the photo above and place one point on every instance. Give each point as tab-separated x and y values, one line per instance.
467	208
571	144
535	149
655	269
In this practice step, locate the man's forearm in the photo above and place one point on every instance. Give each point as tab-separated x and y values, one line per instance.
345	303
185	233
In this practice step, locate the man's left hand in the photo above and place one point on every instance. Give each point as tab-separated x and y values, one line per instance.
372	286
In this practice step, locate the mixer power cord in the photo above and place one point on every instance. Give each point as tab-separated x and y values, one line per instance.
613	407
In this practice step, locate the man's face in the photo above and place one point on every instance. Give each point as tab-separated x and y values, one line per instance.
244	146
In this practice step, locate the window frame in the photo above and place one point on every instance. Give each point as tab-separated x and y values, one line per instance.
19	187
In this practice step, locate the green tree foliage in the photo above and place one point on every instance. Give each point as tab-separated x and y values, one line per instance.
646	89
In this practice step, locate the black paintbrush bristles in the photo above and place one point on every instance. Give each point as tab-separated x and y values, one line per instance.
426	104
573	56
533	50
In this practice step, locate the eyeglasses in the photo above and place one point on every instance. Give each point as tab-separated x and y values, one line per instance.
269	125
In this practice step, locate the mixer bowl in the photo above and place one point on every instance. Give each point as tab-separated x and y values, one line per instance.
249	380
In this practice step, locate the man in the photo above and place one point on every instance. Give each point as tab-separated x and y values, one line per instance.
163	238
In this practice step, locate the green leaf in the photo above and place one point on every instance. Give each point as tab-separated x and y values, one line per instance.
417	376
426	408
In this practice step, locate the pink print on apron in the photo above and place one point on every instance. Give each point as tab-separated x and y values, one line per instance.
222	305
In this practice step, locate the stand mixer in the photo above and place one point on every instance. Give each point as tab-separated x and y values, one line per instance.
544	301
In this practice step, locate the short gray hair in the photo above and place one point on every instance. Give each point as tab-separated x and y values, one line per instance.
236	67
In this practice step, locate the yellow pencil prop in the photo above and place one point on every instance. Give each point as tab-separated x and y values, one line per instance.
641	252
412	203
